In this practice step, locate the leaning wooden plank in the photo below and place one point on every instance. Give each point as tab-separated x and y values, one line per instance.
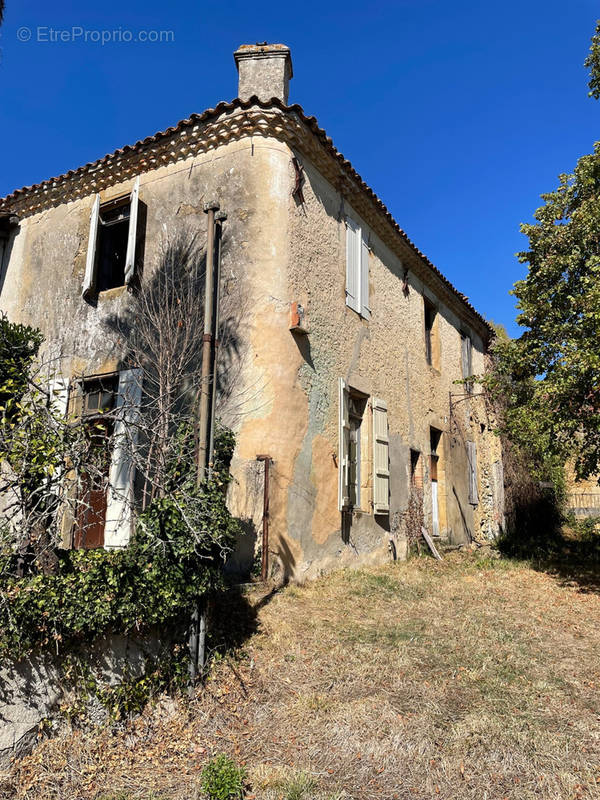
430	543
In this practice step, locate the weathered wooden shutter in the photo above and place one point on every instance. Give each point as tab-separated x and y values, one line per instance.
344	447
59	395
381	458
365	309
466	356
132	235
119	517
89	280
352	264
472	459
65	480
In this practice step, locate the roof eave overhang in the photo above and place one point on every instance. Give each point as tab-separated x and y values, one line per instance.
228	122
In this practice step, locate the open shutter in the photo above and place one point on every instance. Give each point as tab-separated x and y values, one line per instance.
365	309
132	235
352	264
59	395
64	480
344	446
119	518
89	280
472	459
381	458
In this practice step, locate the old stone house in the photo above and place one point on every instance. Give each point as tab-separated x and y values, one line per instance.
352	340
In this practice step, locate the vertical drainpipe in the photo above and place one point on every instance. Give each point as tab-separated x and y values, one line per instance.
220	218
207	340
197	633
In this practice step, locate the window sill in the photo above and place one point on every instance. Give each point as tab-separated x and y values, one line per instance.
111	294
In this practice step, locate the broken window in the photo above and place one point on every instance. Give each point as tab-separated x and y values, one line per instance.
111	256
113	232
357	268
98	400
98	500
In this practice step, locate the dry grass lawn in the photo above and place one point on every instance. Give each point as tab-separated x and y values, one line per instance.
469	678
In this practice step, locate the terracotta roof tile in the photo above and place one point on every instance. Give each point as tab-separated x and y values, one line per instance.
221	108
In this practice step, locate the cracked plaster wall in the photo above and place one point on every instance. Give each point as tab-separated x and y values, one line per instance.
283	394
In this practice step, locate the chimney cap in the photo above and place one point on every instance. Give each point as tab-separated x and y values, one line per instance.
264	71
264	50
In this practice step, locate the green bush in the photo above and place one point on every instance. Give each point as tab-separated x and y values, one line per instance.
170	564
221	779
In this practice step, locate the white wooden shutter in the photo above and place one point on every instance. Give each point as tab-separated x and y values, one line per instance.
65	488
119	517
89	279
59	395
131	238
472	459
381	458
344	447
352	264
365	309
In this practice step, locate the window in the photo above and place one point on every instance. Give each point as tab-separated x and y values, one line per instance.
113	233
98	400
472	465
355	414
354	455
99	395
466	352
430	317
416	469
111	256
98	502
434	441
357	268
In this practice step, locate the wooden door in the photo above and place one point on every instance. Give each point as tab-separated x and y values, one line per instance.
90	514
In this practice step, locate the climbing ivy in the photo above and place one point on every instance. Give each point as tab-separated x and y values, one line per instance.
156	580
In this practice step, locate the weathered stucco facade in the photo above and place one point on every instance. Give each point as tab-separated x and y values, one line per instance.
288	195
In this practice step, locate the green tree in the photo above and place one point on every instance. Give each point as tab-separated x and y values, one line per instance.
549	378
592	62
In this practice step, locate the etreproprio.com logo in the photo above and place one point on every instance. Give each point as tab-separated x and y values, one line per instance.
77	34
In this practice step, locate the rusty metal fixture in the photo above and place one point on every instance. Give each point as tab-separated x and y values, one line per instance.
405	286
264	567
297	190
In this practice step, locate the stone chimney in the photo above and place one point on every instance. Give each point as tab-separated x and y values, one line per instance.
264	70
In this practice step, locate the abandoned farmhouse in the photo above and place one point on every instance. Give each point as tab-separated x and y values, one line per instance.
352	344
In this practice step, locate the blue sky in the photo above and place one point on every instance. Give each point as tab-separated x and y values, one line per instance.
457	114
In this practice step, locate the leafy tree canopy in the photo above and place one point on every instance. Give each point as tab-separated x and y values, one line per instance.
592	62
550	376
